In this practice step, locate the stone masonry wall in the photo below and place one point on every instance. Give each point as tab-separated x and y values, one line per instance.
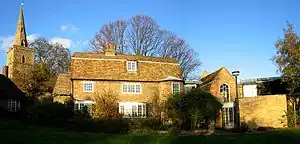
149	89
266	111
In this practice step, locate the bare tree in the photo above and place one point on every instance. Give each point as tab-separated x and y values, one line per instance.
144	36
174	47
53	56
113	33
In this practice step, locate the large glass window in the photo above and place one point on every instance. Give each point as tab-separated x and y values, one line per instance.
82	105
132	109
131	88
225	92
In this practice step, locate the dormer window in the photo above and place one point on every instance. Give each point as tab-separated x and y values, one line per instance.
131	66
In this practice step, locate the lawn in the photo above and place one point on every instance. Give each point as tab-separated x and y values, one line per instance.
15	132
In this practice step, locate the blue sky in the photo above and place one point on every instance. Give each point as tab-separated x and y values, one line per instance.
239	35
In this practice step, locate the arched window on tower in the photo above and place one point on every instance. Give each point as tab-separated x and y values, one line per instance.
225	92
23	59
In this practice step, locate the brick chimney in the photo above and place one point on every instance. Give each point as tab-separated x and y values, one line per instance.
109	49
5	71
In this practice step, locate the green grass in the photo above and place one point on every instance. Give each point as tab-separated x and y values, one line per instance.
15	132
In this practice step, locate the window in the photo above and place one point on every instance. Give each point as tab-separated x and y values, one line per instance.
13	105
131	66
23	59
82	105
175	88
88	86
225	92
188	88
132	109
128	88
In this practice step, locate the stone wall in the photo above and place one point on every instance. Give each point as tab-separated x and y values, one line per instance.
265	111
223	77
149	89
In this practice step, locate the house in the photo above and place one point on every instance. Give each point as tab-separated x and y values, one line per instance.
11	96
222	85
135	80
264	110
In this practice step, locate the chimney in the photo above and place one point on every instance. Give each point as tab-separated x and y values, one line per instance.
109	49
5	71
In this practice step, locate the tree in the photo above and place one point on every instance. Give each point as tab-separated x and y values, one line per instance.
192	109
114	33
175	47
106	105
33	84
287	59
53	55
50	60
142	36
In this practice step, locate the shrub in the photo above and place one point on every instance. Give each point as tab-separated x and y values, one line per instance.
174	131
244	127
193	108
151	124
50	113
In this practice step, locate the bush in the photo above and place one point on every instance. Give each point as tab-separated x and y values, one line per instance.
193	108
244	127
174	131
50	113
145	123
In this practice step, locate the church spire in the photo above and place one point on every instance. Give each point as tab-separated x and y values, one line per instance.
20	38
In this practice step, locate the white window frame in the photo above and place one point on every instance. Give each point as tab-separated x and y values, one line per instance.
16	105
88	82
126	108
84	102
129	63
134	88
229	99
172	87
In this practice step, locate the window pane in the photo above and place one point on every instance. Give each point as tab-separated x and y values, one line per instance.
76	106
134	110
139	110
122	109
175	88
81	105
138	88
124	88
133	66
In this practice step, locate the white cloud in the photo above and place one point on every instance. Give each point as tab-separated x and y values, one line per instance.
69	27
67	43
7	41
32	37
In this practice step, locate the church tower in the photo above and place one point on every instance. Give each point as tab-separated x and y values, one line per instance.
20	58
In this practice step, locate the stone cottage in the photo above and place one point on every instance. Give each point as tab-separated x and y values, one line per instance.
134	79
264	110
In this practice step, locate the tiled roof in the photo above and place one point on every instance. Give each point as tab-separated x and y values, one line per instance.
63	85
101	67
8	90
125	57
210	77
